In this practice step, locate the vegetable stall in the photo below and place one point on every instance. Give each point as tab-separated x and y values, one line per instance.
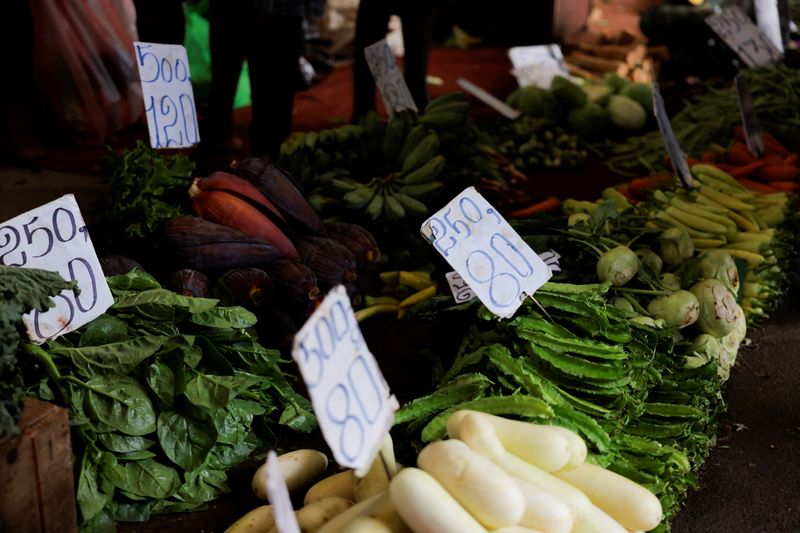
595	407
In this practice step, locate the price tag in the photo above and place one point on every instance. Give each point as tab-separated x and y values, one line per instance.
537	65
483	248
769	21
488	99
462	293
676	155
350	396
168	96
282	510
754	134
735	28
54	237
389	78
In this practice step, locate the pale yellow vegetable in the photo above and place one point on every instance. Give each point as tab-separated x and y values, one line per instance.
545	447
300	468
479	435
365	524
339	484
259	520
543	511
577	447
311	517
479	485
427	507
377	478
379	507
517	529
597	521
627	502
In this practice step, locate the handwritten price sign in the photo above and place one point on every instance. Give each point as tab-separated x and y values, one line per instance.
488	254
350	396
389	78
168	96
537	65
737	30
54	237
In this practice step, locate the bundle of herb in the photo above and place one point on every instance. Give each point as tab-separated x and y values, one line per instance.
147	188
165	393
21	290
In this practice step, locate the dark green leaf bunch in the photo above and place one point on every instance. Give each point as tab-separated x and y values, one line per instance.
147	188
165	393
21	290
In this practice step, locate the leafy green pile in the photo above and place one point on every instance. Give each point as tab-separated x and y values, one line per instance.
147	188
165	393
622	385
21	290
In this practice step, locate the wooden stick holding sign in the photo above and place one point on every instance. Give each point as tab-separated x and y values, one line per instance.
488	99
753	132
676	156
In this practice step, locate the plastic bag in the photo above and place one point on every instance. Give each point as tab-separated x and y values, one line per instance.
84	66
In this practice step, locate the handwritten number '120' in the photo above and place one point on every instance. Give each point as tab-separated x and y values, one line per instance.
168	109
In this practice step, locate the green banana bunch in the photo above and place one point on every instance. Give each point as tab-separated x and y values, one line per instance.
426	172
422	152
447	111
396	130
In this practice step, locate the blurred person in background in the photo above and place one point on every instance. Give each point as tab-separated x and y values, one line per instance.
269	35
372	23
160	21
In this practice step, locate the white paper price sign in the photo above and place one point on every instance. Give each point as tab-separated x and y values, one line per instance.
488	254
389	78
768	19
168	96
463	293
537	65
278	493
350	396
54	237
735	28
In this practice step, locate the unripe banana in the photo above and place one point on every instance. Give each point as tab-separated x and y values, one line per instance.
375	206
421	153
414	137
360	197
444	100
429	171
393	136
443	119
394	209
311	140
412	205
422	189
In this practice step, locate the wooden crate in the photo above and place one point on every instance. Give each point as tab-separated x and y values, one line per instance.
37	493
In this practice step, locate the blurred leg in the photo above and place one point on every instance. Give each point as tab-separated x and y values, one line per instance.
273	53
160	21
418	18
229	26
371	25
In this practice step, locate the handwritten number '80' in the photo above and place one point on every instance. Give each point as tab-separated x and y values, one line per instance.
518	263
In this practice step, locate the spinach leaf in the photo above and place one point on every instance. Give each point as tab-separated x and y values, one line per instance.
135	280
91	499
119	443
138	455
147	479
232	423
118	357
224	317
298	417
122	403
206	486
224	456
186	440
213	359
252	357
161	381
104	329
214	392
157	303
133	512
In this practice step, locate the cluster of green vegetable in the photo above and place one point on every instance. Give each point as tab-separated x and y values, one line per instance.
591	110
165	393
572	359
711	117
532	143
21	290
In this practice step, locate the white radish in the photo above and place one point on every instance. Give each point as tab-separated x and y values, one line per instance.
543	511
479	485
544	447
629	503
597	521
259	520
479	435
299	468
427	507
339	484
578	449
